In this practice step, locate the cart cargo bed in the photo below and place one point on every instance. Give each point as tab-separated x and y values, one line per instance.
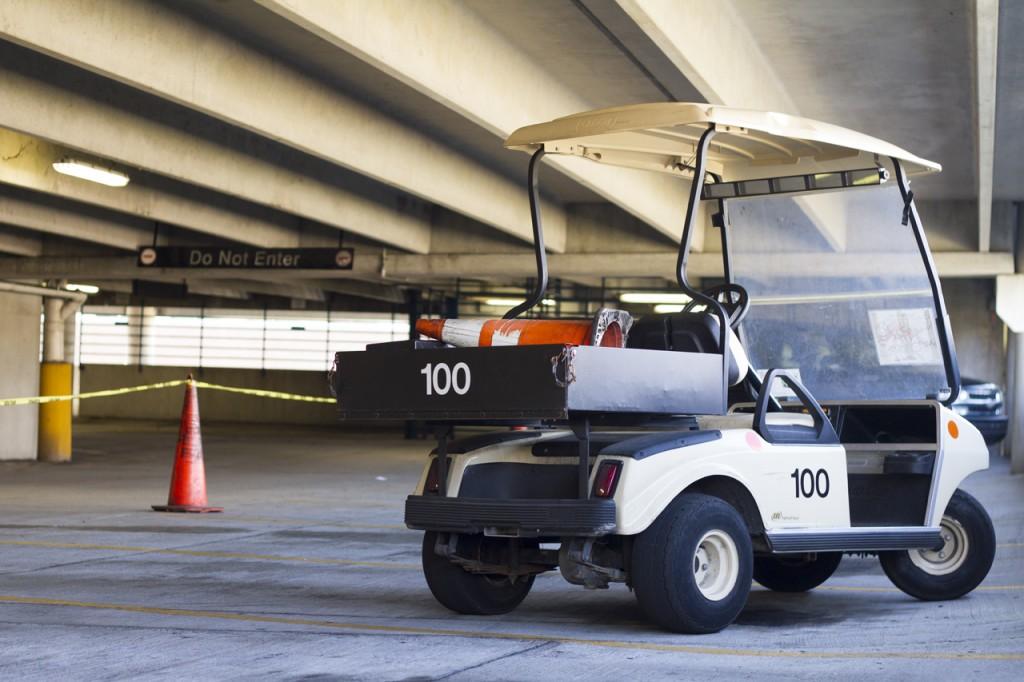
417	380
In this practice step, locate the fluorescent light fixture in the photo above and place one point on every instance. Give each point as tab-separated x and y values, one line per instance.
90	172
653	297
84	288
668	308
498	302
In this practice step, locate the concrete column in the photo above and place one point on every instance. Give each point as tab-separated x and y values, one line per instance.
53	330
19	374
55	378
70	354
1015	396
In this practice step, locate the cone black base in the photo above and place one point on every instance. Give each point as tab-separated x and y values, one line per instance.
186	509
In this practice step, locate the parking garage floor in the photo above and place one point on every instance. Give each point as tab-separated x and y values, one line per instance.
310	573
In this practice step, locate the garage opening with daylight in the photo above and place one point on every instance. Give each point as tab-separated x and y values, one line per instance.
548	339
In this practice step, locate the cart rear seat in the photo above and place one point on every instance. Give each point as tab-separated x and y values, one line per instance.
689	332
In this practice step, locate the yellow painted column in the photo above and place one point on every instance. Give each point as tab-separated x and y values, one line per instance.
55	378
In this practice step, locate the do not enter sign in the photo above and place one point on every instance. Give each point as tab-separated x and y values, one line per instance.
245	258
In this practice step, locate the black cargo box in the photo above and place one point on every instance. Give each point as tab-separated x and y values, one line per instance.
431	381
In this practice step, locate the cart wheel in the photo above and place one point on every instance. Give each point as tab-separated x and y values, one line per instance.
474	594
691	567
797	572
956	568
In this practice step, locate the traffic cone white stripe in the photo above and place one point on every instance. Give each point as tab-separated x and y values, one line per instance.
462	332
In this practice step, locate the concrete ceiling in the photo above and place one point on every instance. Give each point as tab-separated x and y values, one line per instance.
899	71
1009	162
296	122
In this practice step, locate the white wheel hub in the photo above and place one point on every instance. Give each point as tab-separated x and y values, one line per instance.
716	565
950	556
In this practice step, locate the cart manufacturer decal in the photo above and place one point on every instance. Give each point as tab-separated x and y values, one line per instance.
808	483
440	378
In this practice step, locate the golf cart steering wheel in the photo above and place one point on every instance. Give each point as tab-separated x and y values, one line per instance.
733	298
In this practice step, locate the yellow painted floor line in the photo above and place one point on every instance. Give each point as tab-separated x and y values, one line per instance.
297	521
209	554
446	632
856	588
214	554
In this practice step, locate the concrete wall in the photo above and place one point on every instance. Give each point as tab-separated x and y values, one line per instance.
977	331
214	405
19	373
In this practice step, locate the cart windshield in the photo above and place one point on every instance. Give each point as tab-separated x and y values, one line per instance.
839	293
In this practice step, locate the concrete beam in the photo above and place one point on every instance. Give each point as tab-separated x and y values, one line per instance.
711	46
121	286
27	162
295	290
371	290
315	289
973	264
217	289
662	264
985	34
1010	301
19	209
19	243
224	288
40	103
709	43
410	267
142	44
457	57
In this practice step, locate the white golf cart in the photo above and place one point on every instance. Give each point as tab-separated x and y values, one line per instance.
796	412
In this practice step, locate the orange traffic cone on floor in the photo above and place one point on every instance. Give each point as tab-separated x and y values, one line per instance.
188	478
608	328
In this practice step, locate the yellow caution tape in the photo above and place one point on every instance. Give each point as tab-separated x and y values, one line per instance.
278	395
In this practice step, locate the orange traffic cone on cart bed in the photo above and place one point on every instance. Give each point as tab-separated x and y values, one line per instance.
188	478
608	328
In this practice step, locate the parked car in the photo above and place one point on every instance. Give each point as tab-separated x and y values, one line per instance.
981	403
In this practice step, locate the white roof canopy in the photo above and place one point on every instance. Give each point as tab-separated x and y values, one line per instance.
747	143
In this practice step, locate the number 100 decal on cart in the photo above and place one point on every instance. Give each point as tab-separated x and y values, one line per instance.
440	378
808	483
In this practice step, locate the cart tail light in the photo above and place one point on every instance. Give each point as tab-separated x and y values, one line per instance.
606	479
433	483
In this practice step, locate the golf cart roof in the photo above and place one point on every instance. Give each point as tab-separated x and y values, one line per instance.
663	136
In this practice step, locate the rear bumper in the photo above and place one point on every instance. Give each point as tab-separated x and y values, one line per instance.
517	517
992	427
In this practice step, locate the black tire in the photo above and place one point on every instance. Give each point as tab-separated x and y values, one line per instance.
795	573
473	594
665	565
964	517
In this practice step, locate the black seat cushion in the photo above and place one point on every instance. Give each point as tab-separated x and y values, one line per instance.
695	332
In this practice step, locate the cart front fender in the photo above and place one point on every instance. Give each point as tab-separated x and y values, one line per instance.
765	471
962	451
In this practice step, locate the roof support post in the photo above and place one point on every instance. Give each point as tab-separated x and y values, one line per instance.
699	168
945	331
